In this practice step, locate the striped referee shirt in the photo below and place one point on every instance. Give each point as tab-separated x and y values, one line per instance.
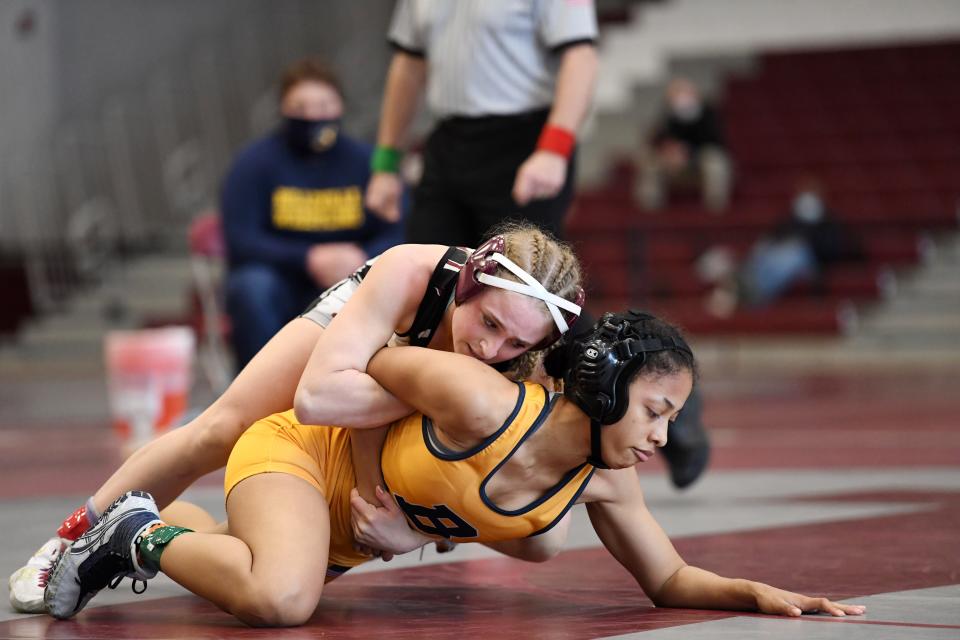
491	57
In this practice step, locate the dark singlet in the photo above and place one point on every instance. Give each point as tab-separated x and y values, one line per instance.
436	298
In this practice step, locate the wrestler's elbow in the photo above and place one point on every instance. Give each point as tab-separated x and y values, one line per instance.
312	405
546	551
335	399
540	555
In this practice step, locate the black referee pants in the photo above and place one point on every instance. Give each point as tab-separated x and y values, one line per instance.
470	165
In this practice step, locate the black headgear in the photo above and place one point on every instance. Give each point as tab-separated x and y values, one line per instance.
601	364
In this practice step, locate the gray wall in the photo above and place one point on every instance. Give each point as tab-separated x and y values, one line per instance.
138	105
28	68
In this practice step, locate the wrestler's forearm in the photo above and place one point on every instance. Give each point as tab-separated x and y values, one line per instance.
366	445
453	389
350	399
693	587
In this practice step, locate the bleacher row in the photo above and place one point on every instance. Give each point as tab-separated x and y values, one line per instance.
879	127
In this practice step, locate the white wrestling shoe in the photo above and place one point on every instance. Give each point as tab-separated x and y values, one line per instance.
28	582
102	556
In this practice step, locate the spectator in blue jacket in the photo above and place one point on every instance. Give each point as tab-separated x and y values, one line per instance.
804	244
293	213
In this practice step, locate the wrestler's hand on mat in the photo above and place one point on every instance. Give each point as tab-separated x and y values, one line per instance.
383	528
383	195
785	603
540	176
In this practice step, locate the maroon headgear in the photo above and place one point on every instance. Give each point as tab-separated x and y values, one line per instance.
478	272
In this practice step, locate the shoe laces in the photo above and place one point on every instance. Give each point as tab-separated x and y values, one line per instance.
111	562
133	583
105	573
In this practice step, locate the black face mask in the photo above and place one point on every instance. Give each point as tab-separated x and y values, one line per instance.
311	136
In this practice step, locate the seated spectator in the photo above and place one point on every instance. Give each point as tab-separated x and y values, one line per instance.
293	214
807	241
687	148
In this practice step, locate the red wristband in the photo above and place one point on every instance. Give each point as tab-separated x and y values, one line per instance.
557	140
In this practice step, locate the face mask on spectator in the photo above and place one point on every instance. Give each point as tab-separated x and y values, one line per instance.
685	107
311	136
808	207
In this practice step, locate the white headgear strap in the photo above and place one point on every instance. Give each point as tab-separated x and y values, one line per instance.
530	287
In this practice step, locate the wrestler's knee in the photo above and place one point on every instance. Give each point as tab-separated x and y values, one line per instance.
276	606
215	432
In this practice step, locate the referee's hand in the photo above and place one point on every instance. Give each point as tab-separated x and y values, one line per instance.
540	177
383	195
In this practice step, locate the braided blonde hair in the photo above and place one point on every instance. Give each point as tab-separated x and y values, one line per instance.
550	261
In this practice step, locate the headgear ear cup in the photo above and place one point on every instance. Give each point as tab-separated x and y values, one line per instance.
478	262
605	359
587	377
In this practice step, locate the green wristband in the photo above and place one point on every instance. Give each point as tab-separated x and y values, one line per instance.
385	160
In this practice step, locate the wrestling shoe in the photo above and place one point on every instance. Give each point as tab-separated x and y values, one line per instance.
28	582
102	556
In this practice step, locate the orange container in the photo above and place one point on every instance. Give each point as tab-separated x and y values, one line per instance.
149	373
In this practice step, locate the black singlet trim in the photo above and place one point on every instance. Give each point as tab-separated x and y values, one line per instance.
552	491
337	568
445	453
357	276
436	298
573	501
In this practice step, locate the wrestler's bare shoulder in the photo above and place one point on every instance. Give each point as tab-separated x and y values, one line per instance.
412	258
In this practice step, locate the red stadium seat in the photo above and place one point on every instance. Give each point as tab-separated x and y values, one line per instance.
207	253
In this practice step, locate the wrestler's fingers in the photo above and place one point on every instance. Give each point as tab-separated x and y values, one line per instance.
387	500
